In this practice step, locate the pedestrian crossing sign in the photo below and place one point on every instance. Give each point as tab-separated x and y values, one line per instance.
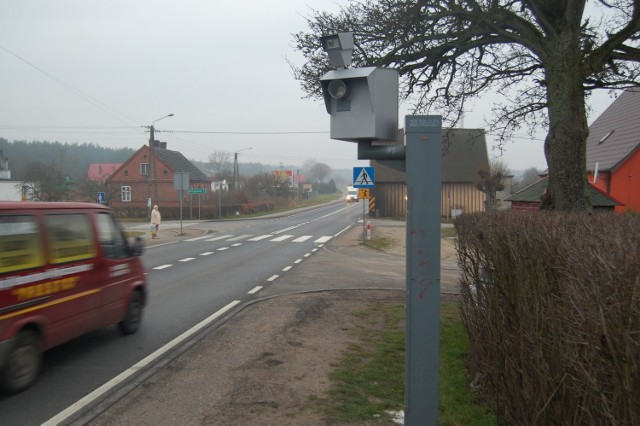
364	177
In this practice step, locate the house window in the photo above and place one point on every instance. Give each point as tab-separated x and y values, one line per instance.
125	192
126	172
144	169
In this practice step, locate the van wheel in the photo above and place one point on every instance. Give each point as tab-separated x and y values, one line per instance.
132	318
23	363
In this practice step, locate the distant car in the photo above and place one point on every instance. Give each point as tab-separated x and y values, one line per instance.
352	194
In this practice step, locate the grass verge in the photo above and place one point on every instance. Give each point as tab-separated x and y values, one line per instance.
368	381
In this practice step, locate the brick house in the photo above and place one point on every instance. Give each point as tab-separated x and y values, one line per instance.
99	172
613	151
130	186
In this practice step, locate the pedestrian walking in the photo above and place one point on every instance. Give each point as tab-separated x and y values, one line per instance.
156	218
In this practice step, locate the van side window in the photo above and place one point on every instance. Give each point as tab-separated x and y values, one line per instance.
70	236
110	237
20	246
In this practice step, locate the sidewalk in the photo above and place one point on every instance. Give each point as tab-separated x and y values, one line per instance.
268	363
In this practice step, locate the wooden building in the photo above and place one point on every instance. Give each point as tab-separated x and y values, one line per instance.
464	154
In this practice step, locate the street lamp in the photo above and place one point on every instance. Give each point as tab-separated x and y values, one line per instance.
152	149
236	174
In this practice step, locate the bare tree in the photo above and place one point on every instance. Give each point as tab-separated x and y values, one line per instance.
220	164
316	171
47	183
491	181
545	58
527	177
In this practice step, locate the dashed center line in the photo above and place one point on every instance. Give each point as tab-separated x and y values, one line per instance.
273	278
161	267
287	268
187	259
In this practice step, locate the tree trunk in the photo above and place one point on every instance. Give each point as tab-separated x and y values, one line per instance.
565	144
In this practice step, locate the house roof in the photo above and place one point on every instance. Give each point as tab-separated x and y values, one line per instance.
533	193
464	153
101	171
615	134
179	163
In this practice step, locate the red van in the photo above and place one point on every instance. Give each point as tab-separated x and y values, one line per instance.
65	269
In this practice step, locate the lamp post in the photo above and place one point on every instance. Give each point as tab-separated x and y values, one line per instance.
152	149
236	174
221	186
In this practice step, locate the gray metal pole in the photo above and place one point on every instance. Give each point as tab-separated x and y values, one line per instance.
422	350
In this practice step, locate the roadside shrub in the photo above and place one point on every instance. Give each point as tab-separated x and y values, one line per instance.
551	303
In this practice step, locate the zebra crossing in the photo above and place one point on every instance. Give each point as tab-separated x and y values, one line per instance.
276	238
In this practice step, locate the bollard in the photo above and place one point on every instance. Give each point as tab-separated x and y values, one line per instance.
368	230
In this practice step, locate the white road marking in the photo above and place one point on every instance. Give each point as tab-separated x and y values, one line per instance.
307	254
260	237
315	249
282	238
287	268
236	244
302	239
323	239
207	253
202	237
223	248
280	231
96	394
187	259
255	290
161	267
273	278
221	237
298	261
239	237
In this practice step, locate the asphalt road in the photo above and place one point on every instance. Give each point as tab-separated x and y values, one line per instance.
190	279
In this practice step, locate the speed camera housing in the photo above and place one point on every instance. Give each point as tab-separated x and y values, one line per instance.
363	103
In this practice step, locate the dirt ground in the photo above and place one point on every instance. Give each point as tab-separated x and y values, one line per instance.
267	365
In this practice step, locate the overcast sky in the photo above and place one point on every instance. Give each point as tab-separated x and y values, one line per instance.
97	71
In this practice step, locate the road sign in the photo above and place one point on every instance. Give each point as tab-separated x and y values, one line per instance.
364	177
364	193
101	197
197	191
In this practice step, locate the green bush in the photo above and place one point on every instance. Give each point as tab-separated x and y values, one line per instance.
551	304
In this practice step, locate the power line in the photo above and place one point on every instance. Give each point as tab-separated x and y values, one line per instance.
90	99
243	132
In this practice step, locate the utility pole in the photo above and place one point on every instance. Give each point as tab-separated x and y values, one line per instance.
236	172
151	177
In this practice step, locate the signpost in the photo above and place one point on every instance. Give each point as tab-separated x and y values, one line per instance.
363	179
181	183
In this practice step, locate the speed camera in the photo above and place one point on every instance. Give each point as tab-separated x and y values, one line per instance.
362	102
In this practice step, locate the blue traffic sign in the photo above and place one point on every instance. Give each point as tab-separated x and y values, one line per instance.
364	177
101	198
